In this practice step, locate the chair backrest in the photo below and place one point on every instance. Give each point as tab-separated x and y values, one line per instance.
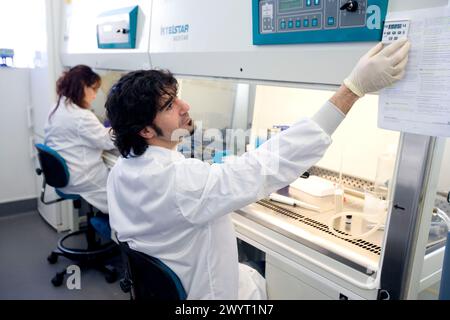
151	279
53	166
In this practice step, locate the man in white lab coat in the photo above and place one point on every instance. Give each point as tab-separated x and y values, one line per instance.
176	209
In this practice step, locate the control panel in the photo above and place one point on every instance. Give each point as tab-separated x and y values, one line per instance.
315	21
395	30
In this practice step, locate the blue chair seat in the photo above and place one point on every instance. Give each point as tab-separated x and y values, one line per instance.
67	196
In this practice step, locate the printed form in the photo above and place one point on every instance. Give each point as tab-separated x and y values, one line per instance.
420	102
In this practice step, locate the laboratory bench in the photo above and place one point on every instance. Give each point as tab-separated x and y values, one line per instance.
304	260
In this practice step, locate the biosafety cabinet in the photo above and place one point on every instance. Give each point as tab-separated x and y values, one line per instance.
259	65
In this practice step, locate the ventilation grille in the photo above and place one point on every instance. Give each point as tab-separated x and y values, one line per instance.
320	226
348	181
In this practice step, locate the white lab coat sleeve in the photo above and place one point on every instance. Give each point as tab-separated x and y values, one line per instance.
204	192
329	117
93	133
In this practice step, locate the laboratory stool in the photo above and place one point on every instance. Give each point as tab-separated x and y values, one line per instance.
148	278
97	230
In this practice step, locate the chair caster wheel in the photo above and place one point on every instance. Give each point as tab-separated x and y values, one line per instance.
58	279
111	276
125	285
52	258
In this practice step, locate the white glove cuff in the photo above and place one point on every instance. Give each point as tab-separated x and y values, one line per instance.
353	88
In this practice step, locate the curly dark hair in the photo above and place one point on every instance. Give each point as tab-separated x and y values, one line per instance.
132	105
71	85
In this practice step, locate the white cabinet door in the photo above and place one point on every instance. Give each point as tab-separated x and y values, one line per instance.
16	171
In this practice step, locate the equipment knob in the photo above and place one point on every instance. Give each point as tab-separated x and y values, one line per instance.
350	5
122	30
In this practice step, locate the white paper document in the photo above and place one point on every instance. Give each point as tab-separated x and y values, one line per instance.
420	102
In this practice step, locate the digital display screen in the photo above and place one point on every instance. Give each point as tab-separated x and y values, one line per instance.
395	26
289	4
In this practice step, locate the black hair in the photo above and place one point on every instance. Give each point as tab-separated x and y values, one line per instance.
132	105
71	85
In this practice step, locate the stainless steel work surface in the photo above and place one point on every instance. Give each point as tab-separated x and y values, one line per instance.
311	229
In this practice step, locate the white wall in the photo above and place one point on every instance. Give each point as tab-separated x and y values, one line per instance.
47	64
17	177
357	137
20	29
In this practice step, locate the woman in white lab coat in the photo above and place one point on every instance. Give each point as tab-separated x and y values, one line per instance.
74	131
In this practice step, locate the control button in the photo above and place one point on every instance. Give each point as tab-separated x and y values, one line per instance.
330	21
290	24
298	23
283	24
308	3
306	23
314	22
316	2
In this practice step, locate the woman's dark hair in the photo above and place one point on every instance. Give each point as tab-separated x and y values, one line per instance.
132	105
71	85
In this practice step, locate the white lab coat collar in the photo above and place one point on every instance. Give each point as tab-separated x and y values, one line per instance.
65	102
164	155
